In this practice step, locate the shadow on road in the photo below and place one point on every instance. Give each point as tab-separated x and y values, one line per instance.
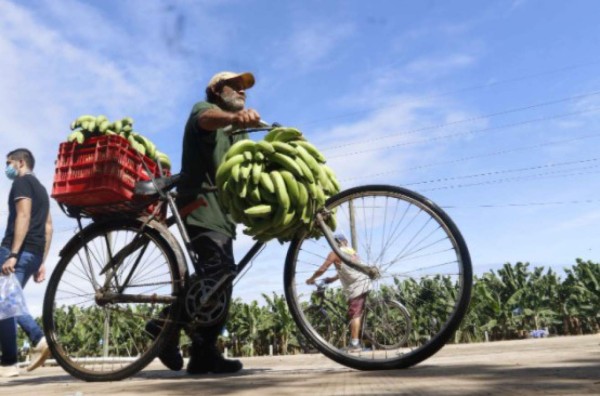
577	377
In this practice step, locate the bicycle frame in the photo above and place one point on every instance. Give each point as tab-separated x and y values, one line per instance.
168	198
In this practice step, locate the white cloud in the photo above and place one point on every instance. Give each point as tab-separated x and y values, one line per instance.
310	46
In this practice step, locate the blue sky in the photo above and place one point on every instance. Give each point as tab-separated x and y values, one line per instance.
491	109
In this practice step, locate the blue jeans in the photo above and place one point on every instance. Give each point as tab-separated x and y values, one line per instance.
27	265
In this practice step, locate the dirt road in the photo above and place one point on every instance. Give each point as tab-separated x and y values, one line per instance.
550	366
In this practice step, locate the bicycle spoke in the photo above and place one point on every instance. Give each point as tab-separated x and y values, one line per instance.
423	286
115	307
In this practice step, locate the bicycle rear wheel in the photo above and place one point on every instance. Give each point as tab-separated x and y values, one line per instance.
424	264
95	324
386	324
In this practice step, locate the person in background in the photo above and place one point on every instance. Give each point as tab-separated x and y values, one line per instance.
355	285
23	251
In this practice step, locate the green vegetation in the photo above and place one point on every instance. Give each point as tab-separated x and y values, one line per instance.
506	304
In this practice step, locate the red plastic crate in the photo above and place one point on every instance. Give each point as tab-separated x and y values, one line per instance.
100	174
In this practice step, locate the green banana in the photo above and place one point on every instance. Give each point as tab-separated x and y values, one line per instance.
302	198
240	147
287	163
267	196
265	147
235	173
84	118
267	182
76	136
163	159
258	156
332	178
103	126
311	149
284	148
282	134
306	172
259	210
257	169
224	170
254	196
280	190
310	161
291	186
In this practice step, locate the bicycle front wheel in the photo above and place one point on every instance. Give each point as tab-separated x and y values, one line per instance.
108	325
424	266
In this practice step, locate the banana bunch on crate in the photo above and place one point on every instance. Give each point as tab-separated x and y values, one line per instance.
275	186
87	126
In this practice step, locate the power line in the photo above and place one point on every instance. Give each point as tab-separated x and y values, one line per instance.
431	139
466	89
525	204
515	170
466	120
518	178
463	159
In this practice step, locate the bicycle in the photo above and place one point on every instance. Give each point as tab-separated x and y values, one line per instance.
131	268
385	323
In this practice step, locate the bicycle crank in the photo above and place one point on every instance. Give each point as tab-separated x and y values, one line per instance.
204	314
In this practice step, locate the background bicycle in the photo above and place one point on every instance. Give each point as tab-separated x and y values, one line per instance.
385	322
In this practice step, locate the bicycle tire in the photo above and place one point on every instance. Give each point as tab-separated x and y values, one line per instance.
422	258
386	324
116	344
323	325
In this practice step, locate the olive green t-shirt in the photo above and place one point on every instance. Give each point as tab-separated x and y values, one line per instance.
202	154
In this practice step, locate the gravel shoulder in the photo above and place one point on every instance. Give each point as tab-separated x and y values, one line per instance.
548	366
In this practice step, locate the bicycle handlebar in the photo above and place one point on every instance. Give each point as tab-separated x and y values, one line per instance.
231	130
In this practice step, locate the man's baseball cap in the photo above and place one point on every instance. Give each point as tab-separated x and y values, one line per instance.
245	80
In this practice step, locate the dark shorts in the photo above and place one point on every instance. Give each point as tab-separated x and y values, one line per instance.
356	306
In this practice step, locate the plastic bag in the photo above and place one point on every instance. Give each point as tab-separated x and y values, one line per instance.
12	299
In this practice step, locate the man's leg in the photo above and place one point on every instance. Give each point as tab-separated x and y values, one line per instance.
170	354
355	312
215	257
26	267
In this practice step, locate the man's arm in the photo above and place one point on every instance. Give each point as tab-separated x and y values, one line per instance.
40	275
331	259
215	118
22	219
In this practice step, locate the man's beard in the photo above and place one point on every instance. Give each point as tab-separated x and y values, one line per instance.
233	101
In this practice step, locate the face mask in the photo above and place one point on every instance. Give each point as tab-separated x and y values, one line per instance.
11	172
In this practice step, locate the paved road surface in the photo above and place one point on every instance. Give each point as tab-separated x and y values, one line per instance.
550	366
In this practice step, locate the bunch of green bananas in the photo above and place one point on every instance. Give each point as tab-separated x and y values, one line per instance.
86	126
274	186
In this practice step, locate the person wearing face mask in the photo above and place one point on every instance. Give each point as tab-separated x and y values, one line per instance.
211	230
22	251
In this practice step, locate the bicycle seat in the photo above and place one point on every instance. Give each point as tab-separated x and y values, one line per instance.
149	187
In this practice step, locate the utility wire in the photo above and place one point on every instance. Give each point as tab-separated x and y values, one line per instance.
525	204
451	135
466	120
466	89
518	178
515	170
463	159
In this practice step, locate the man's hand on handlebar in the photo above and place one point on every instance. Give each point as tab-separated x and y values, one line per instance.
246	118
